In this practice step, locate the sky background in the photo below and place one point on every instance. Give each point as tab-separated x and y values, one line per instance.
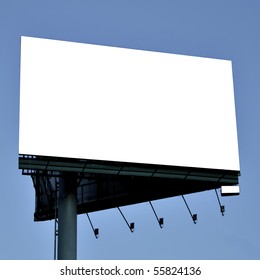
218	29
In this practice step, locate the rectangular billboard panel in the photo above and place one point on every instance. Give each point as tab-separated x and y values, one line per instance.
116	104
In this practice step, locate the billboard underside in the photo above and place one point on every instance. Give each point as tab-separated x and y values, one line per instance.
102	185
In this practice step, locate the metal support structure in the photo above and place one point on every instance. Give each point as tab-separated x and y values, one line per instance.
193	216
222	207
160	220
95	230
67	214
131	225
56	231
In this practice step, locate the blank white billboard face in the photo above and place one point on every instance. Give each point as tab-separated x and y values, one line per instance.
107	103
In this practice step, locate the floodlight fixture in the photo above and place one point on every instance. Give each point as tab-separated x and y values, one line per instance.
95	230
131	226
193	216
159	220
222	207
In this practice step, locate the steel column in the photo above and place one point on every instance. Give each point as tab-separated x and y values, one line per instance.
67	216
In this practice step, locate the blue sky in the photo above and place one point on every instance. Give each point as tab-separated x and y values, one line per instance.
218	29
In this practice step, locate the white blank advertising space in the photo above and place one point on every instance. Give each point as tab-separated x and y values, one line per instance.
107	103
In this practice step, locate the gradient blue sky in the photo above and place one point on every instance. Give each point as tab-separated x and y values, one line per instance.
218	29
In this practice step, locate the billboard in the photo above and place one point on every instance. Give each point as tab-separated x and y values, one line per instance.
85	101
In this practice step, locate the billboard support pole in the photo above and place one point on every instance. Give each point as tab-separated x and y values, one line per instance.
67	214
